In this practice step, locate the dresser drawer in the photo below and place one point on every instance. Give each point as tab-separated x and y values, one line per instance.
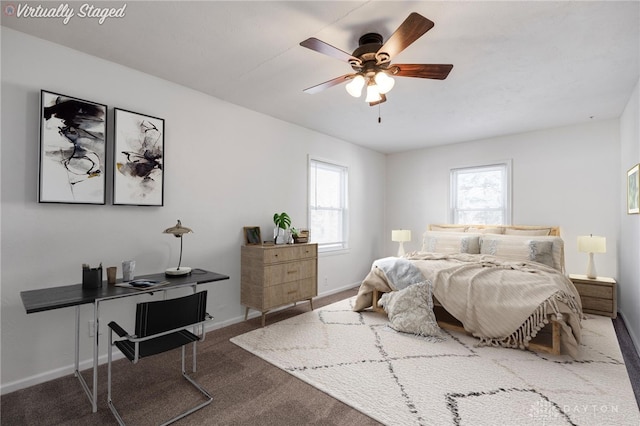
291	271
289	252
290	292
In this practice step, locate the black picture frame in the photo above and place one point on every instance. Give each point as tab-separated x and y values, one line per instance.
73	147
138	153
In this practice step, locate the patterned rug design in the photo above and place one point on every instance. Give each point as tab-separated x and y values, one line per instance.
401	379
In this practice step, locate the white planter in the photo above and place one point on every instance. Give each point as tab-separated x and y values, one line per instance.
281	236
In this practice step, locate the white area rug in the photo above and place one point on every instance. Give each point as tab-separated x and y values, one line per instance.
401	379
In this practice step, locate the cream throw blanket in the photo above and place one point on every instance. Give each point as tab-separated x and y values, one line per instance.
503	303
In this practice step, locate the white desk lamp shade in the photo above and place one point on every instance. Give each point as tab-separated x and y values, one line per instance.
400	236
592	244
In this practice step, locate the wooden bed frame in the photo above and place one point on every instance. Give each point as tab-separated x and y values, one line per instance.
554	231
547	340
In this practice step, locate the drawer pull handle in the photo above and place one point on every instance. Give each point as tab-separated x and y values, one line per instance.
291	272
291	292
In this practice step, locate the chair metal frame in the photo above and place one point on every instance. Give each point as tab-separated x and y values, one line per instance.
189	337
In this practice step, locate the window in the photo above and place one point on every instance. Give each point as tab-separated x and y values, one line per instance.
328	212
481	194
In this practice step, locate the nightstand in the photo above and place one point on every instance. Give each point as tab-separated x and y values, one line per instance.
598	295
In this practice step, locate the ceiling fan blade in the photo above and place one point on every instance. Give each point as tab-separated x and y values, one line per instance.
409	31
324	48
333	82
434	71
383	99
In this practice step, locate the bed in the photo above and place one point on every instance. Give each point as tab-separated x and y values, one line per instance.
505	285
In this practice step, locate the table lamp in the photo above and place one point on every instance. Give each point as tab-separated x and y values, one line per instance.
590	244
400	236
178	231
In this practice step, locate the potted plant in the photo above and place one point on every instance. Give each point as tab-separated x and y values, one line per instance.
282	222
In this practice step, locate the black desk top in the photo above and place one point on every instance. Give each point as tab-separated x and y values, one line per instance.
72	295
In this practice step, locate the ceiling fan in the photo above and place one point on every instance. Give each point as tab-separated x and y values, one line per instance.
371	61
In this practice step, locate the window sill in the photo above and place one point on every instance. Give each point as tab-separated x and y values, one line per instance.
333	252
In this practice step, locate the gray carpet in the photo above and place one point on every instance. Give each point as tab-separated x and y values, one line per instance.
246	389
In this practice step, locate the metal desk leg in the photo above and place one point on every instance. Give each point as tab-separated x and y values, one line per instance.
96	353
77	357
93	396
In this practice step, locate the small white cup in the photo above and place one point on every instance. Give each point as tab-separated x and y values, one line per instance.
128	267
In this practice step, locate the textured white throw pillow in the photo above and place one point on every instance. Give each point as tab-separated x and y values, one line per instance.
542	249
410	310
450	242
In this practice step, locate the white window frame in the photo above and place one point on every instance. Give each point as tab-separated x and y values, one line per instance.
334	246
507	196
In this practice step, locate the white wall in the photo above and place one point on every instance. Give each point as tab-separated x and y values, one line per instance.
629	239
226	167
566	176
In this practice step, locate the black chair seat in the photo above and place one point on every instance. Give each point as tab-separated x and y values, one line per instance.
156	345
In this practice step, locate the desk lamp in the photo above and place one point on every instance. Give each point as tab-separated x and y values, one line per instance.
400	236
590	244
178	231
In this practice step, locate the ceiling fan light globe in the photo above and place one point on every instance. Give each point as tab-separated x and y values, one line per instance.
354	87
373	94
384	82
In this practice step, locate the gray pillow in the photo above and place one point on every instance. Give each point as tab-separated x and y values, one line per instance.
410	310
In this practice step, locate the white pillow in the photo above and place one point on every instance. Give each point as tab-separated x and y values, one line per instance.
491	230
542	249
536	232
410	310
451	242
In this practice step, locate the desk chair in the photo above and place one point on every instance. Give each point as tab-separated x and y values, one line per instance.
162	326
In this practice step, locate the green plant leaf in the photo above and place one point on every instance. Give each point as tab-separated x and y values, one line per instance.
282	220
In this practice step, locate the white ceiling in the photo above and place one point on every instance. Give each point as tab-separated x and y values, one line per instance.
518	66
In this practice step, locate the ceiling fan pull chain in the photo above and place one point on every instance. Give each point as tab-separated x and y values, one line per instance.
379	118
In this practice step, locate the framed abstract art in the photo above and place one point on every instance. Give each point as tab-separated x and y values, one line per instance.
138	174
72	150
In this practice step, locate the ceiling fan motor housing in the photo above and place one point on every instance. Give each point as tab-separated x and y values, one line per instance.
368	46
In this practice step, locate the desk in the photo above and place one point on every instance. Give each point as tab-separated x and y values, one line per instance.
74	295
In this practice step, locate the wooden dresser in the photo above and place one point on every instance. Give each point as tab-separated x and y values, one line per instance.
277	275
598	295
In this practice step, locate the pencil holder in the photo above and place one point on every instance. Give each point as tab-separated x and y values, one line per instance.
92	278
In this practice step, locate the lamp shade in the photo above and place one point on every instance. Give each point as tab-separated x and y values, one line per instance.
354	87
401	235
384	82
592	244
178	230
373	94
